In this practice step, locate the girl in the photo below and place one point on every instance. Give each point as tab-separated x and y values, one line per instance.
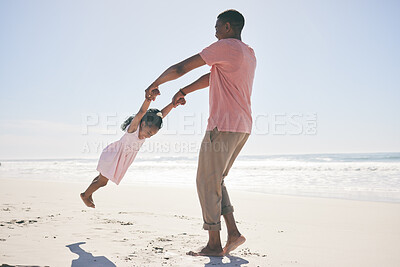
118	156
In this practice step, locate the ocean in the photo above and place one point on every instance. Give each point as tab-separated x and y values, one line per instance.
365	177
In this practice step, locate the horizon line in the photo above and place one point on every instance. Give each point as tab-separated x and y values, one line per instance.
186	155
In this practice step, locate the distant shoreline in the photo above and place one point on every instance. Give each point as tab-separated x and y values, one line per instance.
194	155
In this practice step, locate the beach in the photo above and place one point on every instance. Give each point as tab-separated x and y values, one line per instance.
45	223
293	106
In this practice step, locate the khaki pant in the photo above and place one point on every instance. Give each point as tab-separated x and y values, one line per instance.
217	153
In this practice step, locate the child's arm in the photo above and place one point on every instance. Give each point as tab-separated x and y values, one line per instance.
138	117
169	107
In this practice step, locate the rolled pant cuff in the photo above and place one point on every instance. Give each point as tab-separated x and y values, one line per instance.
226	210
212	227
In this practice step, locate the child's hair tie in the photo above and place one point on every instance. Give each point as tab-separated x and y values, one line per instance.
159	114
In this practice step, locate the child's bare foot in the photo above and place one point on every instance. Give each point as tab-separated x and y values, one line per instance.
87	200
91	199
233	242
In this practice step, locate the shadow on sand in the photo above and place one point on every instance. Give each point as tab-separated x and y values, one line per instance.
86	259
233	261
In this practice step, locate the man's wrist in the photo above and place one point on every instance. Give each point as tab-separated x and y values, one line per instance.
155	84
182	92
152	86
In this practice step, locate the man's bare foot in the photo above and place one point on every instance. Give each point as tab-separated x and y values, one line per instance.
87	200
207	251
232	243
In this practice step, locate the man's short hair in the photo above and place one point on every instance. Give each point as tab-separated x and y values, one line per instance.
234	17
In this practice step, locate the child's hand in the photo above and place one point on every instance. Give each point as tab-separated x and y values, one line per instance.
181	101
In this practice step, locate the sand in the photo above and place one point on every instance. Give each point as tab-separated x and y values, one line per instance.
46	224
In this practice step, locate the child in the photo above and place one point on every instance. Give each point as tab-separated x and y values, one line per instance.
118	156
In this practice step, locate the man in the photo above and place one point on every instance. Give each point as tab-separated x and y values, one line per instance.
233	65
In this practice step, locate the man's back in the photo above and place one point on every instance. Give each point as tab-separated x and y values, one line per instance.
233	65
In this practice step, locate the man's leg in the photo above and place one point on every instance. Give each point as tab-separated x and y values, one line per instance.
235	238
209	191
216	151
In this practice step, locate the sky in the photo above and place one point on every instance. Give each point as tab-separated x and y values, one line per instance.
71	71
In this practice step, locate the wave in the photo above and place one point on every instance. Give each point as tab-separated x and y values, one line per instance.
328	157
337	157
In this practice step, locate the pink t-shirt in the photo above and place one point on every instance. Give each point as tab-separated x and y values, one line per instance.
232	73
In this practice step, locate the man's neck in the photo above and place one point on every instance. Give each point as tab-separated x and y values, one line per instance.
234	37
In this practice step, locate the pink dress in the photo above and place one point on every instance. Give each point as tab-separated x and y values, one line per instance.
118	156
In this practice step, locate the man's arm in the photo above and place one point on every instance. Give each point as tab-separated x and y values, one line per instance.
176	71
202	82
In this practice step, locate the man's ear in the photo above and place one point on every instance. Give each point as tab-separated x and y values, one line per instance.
227	26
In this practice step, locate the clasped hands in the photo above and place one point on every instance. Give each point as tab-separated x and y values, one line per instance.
152	92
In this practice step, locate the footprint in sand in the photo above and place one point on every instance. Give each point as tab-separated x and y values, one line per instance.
125	223
247	252
163	239
20	222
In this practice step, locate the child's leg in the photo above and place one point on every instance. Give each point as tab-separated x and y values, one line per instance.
98	182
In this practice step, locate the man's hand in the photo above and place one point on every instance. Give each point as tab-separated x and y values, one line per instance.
152	92
177	98
181	101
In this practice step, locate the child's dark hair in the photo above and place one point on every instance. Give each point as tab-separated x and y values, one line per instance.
150	118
